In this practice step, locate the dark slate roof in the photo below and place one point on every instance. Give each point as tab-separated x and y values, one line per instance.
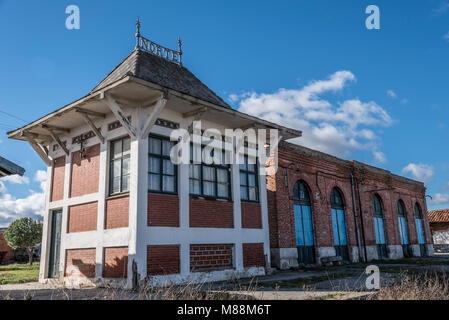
8	168
155	69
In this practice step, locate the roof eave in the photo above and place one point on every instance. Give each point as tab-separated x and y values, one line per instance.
286	133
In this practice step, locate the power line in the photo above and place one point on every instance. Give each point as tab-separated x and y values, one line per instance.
13	116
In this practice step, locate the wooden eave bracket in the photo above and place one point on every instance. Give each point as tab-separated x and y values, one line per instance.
85	114
56	138
38	148
151	120
120	115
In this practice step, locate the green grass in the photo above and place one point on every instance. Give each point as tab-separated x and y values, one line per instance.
19	273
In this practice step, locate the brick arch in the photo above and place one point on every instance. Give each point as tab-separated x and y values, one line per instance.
351	232
293	179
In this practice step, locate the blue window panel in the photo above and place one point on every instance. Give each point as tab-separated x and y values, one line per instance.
298	226
335	227
379	230
420	231
342	227
403	230
307	225
339	227
303	225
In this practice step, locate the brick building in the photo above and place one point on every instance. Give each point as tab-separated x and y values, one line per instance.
6	252
118	209
439	227
321	206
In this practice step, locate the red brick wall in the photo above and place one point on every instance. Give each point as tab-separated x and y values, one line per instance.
163	210
117	212
6	252
115	262
85	172
321	175
253	255
208	257
164	259
251	215
211	213
80	262
82	217
57	182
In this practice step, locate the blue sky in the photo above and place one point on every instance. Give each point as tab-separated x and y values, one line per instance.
376	96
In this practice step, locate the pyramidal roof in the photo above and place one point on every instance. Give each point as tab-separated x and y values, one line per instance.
155	69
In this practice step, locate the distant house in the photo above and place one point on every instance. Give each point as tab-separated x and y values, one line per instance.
439	225
6	252
7	168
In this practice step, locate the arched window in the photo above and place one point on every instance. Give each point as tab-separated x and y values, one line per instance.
402	219
420	229
303	223
338	224
379	227
301	193
336	199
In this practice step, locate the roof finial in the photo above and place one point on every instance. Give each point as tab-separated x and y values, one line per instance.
180	50
137	32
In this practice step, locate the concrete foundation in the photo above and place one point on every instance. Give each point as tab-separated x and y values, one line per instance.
354	254
371	253
284	258
395	252
323	252
430	250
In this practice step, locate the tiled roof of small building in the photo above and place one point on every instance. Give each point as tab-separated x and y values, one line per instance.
441	215
152	68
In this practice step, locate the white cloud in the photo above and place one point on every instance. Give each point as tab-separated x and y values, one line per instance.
12	208
392	94
442	8
380	156
335	128
16	179
439	199
420	172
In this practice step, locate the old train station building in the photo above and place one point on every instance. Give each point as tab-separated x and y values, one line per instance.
119	211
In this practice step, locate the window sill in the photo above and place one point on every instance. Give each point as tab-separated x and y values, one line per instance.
209	198
162	193
118	195
249	201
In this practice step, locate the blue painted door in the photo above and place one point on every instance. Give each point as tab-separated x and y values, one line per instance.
421	239
304	234
404	235
340	237
380	237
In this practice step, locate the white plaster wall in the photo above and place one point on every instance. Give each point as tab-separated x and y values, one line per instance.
441	237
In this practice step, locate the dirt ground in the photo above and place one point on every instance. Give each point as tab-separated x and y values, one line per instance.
335	283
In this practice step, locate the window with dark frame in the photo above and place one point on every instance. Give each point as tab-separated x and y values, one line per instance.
210	181
120	152
162	173
249	190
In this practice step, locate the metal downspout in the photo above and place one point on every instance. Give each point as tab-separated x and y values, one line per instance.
355	219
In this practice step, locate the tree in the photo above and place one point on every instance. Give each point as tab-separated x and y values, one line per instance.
24	233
